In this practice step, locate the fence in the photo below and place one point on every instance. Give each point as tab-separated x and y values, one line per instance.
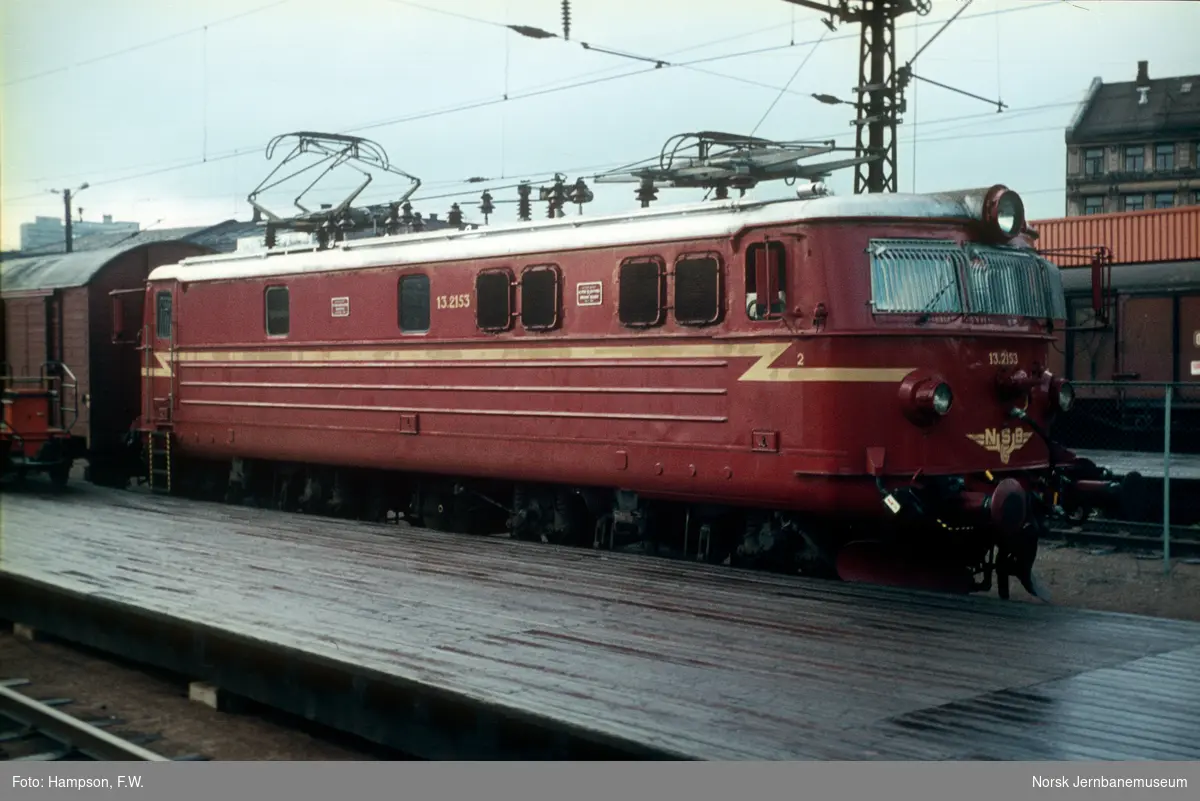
1150	428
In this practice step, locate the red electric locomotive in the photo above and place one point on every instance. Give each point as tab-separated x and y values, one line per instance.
852	386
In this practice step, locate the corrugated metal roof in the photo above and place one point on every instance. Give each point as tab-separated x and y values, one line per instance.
59	270
1135	237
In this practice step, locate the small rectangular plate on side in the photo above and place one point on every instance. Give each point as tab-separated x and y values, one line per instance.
765	441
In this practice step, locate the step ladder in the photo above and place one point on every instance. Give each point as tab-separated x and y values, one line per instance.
158	461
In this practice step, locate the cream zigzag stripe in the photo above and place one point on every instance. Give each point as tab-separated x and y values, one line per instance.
764	353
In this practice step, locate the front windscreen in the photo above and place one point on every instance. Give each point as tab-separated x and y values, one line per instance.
939	277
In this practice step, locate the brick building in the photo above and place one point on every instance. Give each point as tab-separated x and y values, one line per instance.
1135	145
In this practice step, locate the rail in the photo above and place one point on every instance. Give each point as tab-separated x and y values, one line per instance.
75	735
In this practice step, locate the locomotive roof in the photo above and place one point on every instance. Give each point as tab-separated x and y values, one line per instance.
644	226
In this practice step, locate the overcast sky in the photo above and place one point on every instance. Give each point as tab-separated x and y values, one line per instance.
165	109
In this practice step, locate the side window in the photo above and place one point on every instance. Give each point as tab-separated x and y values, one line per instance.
540	297
278	319
162	315
640	293
765	263
413	303
698	290
494	299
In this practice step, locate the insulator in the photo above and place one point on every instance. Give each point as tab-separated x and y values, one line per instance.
557	197
580	193
455	217
418	224
647	193
524	211
566	16
407	217
486	208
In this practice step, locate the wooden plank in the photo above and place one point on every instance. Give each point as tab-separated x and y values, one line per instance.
705	661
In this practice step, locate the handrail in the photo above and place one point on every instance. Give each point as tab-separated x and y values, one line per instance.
62	407
56	385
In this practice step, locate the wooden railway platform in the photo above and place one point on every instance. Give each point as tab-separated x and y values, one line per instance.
458	647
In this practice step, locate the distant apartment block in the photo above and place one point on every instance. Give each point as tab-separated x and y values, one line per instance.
47	232
1135	145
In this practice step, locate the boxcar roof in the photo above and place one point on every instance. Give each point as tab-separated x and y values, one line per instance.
60	270
645	226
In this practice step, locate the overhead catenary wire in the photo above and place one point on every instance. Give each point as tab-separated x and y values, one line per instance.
248	150
786	86
536	91
144	45
832	135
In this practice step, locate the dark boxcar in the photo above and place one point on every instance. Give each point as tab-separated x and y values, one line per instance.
58	317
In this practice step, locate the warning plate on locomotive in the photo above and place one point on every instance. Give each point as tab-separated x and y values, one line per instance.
339	307
1195	368
589	294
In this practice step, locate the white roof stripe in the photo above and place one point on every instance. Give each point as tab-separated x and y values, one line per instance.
695	221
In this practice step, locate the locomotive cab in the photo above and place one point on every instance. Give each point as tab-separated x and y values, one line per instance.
969	451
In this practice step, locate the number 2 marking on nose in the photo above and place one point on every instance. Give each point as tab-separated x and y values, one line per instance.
799	359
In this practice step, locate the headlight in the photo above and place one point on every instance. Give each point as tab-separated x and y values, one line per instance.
1009	213
1065	397
1003	211
943	399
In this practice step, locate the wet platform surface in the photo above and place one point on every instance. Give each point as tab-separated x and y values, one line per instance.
694	661
1184	466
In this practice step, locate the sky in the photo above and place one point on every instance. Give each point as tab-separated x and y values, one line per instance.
166	109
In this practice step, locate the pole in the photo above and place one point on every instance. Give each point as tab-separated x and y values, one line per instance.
1167	481
67	210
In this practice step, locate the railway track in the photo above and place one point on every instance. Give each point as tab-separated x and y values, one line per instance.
38	731
1130	537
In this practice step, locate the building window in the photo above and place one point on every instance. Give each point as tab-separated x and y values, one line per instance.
494	300
640	291
278	317
540	298
1093	161
1164	200
1164	158
162	316
1196	198
413	303
765	260
1093	204
1135	158
1133	202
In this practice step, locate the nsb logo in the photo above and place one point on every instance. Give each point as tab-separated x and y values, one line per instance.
1004	441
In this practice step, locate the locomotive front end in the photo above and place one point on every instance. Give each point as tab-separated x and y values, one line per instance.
976	419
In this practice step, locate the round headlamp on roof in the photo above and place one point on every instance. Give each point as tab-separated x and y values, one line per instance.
1004	211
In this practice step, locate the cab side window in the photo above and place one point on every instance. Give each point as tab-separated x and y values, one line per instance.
162	315
766	264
